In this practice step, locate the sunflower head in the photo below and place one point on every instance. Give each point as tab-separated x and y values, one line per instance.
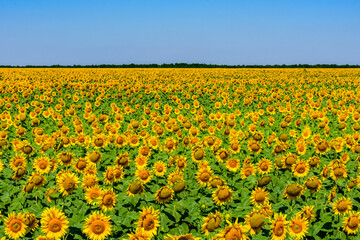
149	221
222	195
97	226
293	190
164	195
135	187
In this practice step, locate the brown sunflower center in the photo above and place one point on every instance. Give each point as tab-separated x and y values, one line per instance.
342	206
199	154
300	169
42	165
339	172
205	176
255	147
264	166
144	175
55	225
293	189
259	197
69	184
97	227
37	180
165	193
81	165
135	187
255	221
108	200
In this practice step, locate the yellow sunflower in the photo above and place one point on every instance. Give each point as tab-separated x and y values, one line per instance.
97	226
42	165
342	206
92	193
143	175
307	213
293	190
300	168
67	183
298	227
279	227
203	176
313	184
149	221
351	223
15	226
107	199
222	195
19	161
234	231
233	164
259	196
135	187
30	221
54	223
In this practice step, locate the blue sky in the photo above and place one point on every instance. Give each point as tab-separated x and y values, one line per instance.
204	31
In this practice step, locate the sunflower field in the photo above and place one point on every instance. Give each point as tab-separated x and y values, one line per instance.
179	154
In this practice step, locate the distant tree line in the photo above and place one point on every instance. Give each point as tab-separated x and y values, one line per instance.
185	65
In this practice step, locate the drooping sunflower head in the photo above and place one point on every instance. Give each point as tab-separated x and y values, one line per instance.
97	226
351	223
293	190
211	223
222	195
30	221
164	195
255	221
135	187
307	213
313	184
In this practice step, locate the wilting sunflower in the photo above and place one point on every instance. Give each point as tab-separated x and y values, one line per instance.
211	222
342	206
97	226
300	168
198	154
54	223
222	195
234	231
293	190
67	183
174	177
107	199
135	187
222	155
255	221
279	226
313	183
232	164
65	158
254	146
298	227
203	176
149	220
164	195
30	221
42	165
259	196
307	213
80	165
15	226
338	171
159	169
216	182
351	223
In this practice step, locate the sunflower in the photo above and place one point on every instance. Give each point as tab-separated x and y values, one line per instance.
164	195
298	227
143	175
222	195
107	199
94	156
222	155
216	182
338	171
264	166
307	213
313	183
19	161
211	223
255	221
233	164
139	234
279	226
254	146
30	221
97	226
322	147
89	180
203	176
351	223
342	206
175	176
67	183
92	193
149	220
198	154
15	226
140	162
159	169
42	165
38	180
234	231
80	165
54	223
135	187
259	196
181	163
247	170
65	158
293	190
300	168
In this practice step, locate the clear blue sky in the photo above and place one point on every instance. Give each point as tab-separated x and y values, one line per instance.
204	31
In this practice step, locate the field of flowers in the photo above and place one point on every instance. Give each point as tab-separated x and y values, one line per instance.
179	154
